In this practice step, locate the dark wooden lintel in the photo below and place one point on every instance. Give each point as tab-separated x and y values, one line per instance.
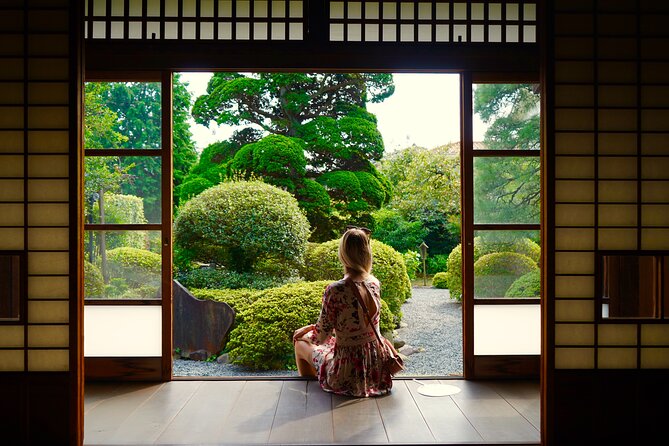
121	55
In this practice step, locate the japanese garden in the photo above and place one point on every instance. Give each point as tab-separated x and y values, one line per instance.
257	215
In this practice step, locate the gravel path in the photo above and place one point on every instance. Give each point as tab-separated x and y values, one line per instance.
433	330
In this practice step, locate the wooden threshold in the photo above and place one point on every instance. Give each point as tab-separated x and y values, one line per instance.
299	412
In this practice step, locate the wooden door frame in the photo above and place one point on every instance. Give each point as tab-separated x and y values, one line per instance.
142	368
488	366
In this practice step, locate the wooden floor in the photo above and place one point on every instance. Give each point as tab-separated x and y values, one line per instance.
299	412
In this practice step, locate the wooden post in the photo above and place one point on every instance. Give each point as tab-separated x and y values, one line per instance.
423	253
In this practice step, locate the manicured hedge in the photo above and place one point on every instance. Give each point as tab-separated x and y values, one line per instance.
263	340
265	320
138	267
523	246
528	285
440	280
94	285
494	273
221	278
240	223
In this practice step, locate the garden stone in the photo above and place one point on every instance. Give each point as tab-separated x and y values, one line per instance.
199	325
403	325
223	359
198	355
398	343
409	350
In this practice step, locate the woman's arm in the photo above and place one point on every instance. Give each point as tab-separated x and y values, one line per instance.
325	324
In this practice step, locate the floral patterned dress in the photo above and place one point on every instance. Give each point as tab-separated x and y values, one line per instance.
350	362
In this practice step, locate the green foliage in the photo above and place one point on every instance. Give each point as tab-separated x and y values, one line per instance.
322	113
102	174
184	155
528	285
440	280
265	321
494	273
214	155
100	130
426	193
483	246
386	319
192	187
454	273
521	245
341	143
221	278
393	229
289	99
122	209
117	287
373	191
436	263
343	186
128	115
264	340
321	263
278	159
412	263
239	223
94	285
127	209
513	111
508	189
239	299
315	201
137	266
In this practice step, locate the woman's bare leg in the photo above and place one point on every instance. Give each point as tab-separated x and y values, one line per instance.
303	351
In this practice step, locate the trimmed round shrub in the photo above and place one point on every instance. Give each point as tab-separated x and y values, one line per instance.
341	185
94	284
523	246
321	263
138	267
264	339
240	223
193	187
278	159
528	285
494	273
440	280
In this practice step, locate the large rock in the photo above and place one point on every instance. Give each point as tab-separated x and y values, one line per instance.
200	326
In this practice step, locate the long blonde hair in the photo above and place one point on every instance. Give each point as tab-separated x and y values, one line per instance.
355	252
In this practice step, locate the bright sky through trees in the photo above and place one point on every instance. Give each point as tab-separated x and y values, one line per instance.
424	110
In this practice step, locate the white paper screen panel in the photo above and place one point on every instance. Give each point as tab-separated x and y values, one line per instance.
507	329
196	19
122	330
433	21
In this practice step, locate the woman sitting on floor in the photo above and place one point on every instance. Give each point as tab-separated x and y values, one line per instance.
351	362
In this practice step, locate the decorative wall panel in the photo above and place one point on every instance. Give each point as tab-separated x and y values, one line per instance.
610	142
